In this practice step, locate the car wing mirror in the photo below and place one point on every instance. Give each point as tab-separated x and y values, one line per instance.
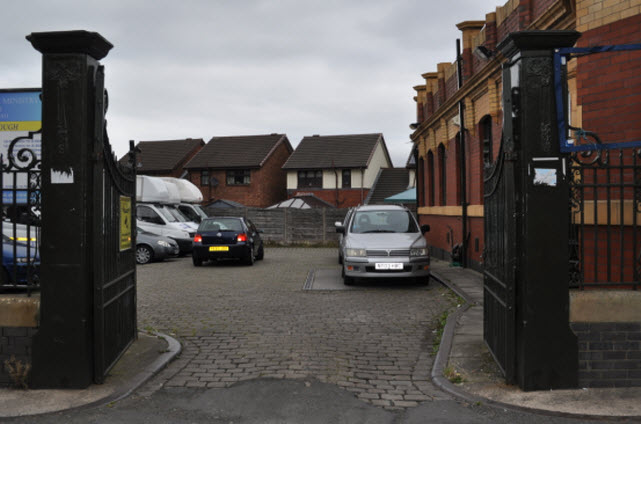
425	228
340	228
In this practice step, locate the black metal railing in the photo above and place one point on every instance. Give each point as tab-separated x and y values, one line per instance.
20	181
605	208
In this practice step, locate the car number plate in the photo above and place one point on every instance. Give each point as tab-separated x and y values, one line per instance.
389	266
218	249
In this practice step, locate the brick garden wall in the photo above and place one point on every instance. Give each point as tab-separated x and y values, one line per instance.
15	342
609	354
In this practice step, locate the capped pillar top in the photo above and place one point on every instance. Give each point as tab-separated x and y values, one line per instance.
537	40
71	41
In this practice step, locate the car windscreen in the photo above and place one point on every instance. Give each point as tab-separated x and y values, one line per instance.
221	225
167	214
383	221
180	216
202	213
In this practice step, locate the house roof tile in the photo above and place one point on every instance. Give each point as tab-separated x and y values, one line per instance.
249	151
333	151
164	155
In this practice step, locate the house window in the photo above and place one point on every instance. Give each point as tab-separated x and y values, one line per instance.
486	141
310	179
347	179
238	177
430	177
459	169
441	161
204	178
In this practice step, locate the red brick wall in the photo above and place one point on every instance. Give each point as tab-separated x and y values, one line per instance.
603	266
609	84
539	7
447	231
341	198
509	25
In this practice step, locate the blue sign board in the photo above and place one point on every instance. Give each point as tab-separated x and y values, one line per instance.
20	111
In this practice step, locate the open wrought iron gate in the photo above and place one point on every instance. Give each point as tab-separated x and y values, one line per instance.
526	300
115	324
499	264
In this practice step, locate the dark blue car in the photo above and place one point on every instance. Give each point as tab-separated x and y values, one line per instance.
220	238
20	263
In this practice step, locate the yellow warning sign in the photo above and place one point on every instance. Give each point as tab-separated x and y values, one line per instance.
125	223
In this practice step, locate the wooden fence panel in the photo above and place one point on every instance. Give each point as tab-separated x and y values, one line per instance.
290	226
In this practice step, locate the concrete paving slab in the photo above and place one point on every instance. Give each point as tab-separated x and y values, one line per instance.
145	357
463	350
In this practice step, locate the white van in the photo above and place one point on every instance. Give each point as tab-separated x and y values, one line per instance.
159	219
195	213
156	214
189	196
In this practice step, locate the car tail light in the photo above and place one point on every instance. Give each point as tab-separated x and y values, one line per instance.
241	237
198	238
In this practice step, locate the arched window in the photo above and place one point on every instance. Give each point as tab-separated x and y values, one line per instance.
442	169
420	182
459	170
485	127
431	184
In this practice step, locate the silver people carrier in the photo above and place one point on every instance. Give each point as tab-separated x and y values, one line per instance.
384	241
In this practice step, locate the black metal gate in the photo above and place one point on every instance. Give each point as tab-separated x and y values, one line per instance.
499	259
526	299
115	325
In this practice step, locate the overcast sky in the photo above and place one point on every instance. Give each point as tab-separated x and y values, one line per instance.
204	68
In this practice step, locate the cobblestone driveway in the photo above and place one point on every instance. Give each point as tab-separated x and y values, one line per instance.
240	323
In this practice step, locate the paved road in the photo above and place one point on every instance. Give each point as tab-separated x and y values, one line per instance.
239	323
260	346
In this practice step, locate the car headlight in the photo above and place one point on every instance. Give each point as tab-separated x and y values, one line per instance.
162	243
355	252
418	252
23	260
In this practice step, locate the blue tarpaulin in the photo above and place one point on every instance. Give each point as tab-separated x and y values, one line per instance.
408	196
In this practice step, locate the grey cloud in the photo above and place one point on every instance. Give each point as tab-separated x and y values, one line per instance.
200	68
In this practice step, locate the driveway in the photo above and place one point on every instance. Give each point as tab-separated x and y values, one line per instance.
290	317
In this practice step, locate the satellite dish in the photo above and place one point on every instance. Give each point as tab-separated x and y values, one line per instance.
213	182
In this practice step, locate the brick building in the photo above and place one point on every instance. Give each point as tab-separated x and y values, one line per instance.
601	101
340	169
437	133
242	169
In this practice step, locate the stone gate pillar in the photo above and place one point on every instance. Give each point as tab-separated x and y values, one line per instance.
546	348
63	346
